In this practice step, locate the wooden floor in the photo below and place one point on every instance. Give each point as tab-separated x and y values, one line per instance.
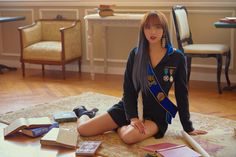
17	92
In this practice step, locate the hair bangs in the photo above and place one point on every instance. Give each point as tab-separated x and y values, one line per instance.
152	19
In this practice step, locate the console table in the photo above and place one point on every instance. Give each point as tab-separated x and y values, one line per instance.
9	19
118	20
219	24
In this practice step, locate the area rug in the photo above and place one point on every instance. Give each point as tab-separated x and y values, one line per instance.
219	142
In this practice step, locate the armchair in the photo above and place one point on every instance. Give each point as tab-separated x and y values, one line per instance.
51	42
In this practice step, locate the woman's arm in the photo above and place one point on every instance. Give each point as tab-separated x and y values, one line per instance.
181	93
130	95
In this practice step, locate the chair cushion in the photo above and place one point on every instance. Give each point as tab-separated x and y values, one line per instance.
44	51
206	49
182	21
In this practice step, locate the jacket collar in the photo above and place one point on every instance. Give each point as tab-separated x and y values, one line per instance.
169	49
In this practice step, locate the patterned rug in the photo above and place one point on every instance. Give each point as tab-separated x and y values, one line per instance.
219	142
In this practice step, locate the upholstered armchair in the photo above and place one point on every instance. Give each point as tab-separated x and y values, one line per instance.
51	42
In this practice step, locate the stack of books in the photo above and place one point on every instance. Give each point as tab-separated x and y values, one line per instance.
60	137
228	20
106	10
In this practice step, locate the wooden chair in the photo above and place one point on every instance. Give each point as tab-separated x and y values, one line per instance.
51	42
190	49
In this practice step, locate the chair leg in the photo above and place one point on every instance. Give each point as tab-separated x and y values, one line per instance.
43	72
23	68
64	71
227	63
79	65
189	62
219	68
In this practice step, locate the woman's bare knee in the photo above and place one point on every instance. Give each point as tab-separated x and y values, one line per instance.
82	129
129	135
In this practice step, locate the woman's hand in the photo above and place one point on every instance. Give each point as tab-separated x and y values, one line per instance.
138	124
197	132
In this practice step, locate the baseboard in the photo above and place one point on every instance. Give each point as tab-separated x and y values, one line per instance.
198	76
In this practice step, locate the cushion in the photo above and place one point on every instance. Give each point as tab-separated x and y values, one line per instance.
45	50
182	22
206	48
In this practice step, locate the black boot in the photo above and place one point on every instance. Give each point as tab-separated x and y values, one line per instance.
81	110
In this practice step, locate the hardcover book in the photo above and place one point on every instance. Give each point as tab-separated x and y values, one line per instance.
35	132
179	151
23	123
228	20
65	117
159	146
104	13
170	150
106	10
60	137
105	6
88	148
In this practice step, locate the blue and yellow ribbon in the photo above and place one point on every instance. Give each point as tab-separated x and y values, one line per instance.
160	95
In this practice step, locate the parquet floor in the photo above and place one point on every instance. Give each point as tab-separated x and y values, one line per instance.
17	92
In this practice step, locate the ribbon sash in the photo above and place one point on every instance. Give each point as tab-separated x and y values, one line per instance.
160	96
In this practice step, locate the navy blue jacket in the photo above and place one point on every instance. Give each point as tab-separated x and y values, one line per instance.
174	60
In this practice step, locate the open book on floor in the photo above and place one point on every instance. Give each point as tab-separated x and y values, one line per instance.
60	137
23	123
35	132
170	150
88	148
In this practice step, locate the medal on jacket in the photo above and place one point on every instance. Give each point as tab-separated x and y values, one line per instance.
166	77
171	75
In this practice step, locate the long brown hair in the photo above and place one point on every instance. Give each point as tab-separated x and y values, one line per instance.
142	59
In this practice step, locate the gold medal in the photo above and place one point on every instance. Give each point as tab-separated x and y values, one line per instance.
171	78
171	74
160	96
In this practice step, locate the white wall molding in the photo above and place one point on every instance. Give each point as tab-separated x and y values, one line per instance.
53	10
22	9
95	4
13	54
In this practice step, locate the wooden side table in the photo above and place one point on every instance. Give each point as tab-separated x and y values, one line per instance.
219	24
118	20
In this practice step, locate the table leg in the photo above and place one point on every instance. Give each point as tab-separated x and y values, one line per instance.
90	49
232	37
104	41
